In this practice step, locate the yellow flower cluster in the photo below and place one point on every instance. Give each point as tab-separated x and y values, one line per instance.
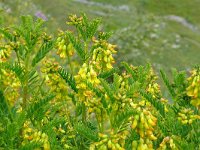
154	90
8	47
142	144
193	89
103	55
186	116
144	123
65	48
166	104
5	53
54	81
94	105
1	36
121	94
64	135
9	80
74	20
32	135
113	141
87	74
167	142
46	37
14	45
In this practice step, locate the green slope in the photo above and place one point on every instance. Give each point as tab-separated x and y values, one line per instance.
140	28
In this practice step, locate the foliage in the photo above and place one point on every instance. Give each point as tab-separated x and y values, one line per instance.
88	103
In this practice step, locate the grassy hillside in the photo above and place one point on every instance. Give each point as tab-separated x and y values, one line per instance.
165	33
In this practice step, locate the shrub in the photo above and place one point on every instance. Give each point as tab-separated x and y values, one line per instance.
81	100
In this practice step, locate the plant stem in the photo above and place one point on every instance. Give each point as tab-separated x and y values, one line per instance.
83	113
70	65
18	59
25	85
100	122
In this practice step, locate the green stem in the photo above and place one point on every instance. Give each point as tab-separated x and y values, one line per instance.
25	85
18	59
100	122
111	116
70	64
83	105
83	113
86	46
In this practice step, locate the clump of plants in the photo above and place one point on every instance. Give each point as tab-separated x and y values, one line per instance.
65	92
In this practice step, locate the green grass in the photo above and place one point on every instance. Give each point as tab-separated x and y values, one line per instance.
185	8
115	20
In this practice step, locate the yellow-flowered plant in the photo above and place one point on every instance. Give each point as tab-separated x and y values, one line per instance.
110	141
12	86
102	57
85	101
32	135
65	48
167	142
193	89
87	74
54	82
186	116
5	53
8	79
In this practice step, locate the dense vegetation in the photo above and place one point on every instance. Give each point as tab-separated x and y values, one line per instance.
64	92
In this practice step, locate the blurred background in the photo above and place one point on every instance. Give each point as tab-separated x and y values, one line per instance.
165	33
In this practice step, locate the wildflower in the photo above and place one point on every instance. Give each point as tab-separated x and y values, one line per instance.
41	15
186	116
103	55
194	87
65	48
54	81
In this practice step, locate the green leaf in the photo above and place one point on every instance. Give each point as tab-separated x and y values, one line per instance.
4	107
7	34
77	45
31	145
116	82
129	70
87	132
68	78
108	89
156	103
100	95
37	109
33	80
27	22
48	128
104	35
44	49
122	117
92	28
134	87
167	83
16	68
109	73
